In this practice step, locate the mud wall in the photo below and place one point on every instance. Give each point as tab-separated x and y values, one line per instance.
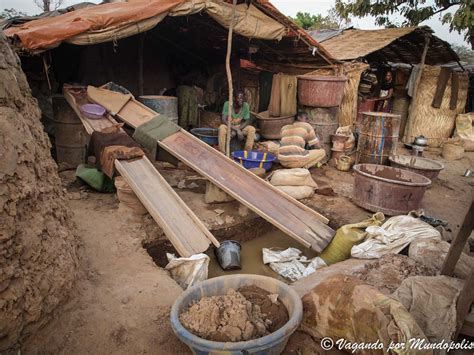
38	252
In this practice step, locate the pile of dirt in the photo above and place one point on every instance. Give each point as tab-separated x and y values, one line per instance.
241	315
38	252
388	272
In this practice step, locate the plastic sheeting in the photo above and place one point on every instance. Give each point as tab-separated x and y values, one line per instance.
394	235
431	300
113	21
290	264
188	271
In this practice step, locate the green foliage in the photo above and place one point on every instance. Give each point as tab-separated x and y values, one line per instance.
413	11
9	13
315	22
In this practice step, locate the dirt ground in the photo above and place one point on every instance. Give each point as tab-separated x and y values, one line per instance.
123	304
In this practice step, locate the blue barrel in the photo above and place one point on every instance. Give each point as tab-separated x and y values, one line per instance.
271	344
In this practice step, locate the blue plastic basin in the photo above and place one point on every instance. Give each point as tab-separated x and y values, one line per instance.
271	344
254	159
208	135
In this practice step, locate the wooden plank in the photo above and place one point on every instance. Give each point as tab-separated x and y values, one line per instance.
465	300
457	245
289	215
182	227
165	206
76	96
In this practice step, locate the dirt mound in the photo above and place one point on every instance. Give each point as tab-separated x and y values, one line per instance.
388	272
38	259
241	315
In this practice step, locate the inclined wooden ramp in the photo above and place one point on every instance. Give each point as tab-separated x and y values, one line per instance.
287	214
181	226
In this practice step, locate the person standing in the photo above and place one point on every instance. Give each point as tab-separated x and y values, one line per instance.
384	101
240	123
294	140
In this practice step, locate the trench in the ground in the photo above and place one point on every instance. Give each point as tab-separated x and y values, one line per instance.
253	236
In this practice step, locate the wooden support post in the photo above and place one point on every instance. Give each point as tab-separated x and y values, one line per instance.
417	82
465	300
229	78
141	45
457	245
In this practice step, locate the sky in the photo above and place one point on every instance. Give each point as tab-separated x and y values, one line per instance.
288	7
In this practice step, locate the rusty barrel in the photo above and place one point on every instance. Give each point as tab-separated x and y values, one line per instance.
389	190
378	137
70	135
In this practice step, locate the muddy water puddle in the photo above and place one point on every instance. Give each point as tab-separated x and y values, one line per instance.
251	255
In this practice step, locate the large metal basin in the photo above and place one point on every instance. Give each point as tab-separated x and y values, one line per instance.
423	166
392	191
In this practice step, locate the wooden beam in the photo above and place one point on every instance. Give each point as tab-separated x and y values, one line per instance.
465	300
417	83
457	245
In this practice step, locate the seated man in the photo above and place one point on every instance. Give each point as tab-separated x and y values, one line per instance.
240	123
294	137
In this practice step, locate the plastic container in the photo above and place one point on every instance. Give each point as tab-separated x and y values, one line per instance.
228	255
321	91
207	135
270	127
423	166
392	191
271	344
254	159
93	111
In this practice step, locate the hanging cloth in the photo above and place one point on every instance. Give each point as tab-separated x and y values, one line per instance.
265	89
288	95
275	97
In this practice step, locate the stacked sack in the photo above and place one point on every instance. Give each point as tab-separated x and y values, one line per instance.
296	182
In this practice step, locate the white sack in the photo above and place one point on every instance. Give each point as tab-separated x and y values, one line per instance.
188	271
290	264
394	235
292	177
297	192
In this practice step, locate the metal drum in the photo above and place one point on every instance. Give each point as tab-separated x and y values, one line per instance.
70	136
165	105
378	137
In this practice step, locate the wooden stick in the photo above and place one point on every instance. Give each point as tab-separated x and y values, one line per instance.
229	79
457	245
141	44
415	91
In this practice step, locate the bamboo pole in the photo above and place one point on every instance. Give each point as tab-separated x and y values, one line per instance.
229	79
409	129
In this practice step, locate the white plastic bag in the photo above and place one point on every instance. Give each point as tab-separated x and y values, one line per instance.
188	271
394	235
290	264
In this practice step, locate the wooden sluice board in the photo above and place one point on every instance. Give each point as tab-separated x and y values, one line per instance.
181	226
287	214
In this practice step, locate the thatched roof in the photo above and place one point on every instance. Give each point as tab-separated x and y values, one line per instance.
396	45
